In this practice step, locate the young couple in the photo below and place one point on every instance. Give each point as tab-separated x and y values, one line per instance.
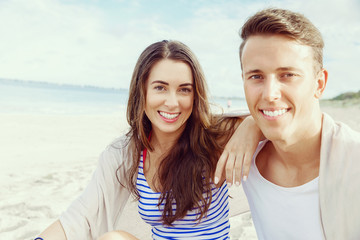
304	177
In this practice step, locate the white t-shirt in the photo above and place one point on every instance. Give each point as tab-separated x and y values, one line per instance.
283	212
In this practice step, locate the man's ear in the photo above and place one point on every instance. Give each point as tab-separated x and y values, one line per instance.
321	82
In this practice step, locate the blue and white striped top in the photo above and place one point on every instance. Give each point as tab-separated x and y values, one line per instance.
214	226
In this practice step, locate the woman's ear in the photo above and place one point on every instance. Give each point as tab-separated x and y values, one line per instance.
321	82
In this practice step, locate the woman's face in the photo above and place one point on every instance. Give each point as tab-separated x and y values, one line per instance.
170	96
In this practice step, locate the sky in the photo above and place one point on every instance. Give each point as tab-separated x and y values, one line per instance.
97	42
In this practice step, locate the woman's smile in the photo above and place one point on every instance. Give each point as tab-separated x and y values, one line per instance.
169	117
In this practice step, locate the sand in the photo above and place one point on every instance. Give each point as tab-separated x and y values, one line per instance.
46	161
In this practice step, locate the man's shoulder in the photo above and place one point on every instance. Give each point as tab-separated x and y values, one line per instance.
340	131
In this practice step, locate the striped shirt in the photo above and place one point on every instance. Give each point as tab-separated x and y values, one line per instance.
215	225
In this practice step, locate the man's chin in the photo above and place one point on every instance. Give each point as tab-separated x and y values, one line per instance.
273	134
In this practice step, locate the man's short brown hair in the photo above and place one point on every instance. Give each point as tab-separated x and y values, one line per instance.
284	22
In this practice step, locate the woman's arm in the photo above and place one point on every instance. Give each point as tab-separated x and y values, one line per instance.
238	152
54	232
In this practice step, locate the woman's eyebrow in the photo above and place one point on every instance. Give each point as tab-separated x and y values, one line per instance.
159	81
186	84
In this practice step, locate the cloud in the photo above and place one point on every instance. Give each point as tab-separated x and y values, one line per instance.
49	41
89	43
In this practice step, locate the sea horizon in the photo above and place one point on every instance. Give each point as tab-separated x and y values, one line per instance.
21	96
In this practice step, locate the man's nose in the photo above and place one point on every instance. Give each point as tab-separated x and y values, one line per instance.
271	91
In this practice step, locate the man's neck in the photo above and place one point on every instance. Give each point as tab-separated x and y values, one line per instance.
292	163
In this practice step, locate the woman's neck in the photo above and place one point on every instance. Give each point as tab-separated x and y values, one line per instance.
162	142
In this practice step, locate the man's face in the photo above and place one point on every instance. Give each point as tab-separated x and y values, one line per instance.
281	87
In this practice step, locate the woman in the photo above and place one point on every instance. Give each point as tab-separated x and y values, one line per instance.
166	160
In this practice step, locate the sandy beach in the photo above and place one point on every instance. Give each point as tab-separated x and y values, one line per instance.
46	161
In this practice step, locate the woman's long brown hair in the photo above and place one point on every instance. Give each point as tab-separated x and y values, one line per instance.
185	173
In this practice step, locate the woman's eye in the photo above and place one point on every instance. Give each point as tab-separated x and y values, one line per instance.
159	88
185	90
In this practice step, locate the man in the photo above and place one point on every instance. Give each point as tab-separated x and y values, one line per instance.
304	180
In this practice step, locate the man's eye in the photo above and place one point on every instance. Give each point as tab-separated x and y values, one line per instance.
255	77
289	75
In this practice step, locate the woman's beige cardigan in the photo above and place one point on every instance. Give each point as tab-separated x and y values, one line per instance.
98	208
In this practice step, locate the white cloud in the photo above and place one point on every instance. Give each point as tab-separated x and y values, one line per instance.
48	40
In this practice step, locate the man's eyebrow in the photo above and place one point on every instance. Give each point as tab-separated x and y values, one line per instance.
253	71
288	69
278	69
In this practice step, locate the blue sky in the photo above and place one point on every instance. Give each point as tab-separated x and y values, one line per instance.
97	42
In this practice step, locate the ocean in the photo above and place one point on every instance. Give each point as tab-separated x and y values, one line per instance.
22	97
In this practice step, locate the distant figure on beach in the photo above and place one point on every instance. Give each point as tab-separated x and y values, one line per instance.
229	103
167	159
305	177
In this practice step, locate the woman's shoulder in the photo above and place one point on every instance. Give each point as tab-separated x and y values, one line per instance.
117	152
121	143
